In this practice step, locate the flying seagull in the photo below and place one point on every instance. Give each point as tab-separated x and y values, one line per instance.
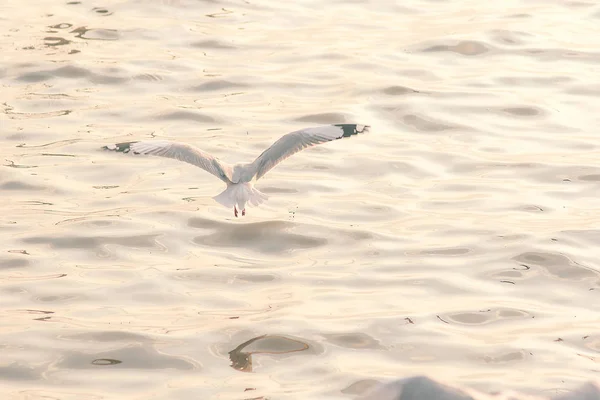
239	177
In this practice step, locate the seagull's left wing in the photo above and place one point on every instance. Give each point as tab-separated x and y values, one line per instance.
293	142
179	151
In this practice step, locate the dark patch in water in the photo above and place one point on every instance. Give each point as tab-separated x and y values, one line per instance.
325	118
217	85
268	237
398	90
465	48
212	44
188	116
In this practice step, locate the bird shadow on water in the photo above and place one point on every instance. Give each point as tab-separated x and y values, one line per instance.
265	236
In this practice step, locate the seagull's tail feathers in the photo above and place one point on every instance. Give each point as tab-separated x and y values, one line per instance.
257	197
226	198
239	194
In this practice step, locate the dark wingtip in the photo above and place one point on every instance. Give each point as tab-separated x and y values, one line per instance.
119	147
353	129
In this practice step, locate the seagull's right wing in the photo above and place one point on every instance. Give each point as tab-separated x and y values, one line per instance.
293	142
178	151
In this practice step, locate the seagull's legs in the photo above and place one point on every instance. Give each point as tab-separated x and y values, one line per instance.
243	212
235	211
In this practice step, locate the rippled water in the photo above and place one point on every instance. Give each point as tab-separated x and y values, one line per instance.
459	239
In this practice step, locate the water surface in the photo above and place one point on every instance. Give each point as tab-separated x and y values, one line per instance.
457	240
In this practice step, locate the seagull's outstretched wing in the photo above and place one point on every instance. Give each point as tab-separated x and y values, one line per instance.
295	141
178	151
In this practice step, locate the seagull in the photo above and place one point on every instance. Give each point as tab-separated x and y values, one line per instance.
239	177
